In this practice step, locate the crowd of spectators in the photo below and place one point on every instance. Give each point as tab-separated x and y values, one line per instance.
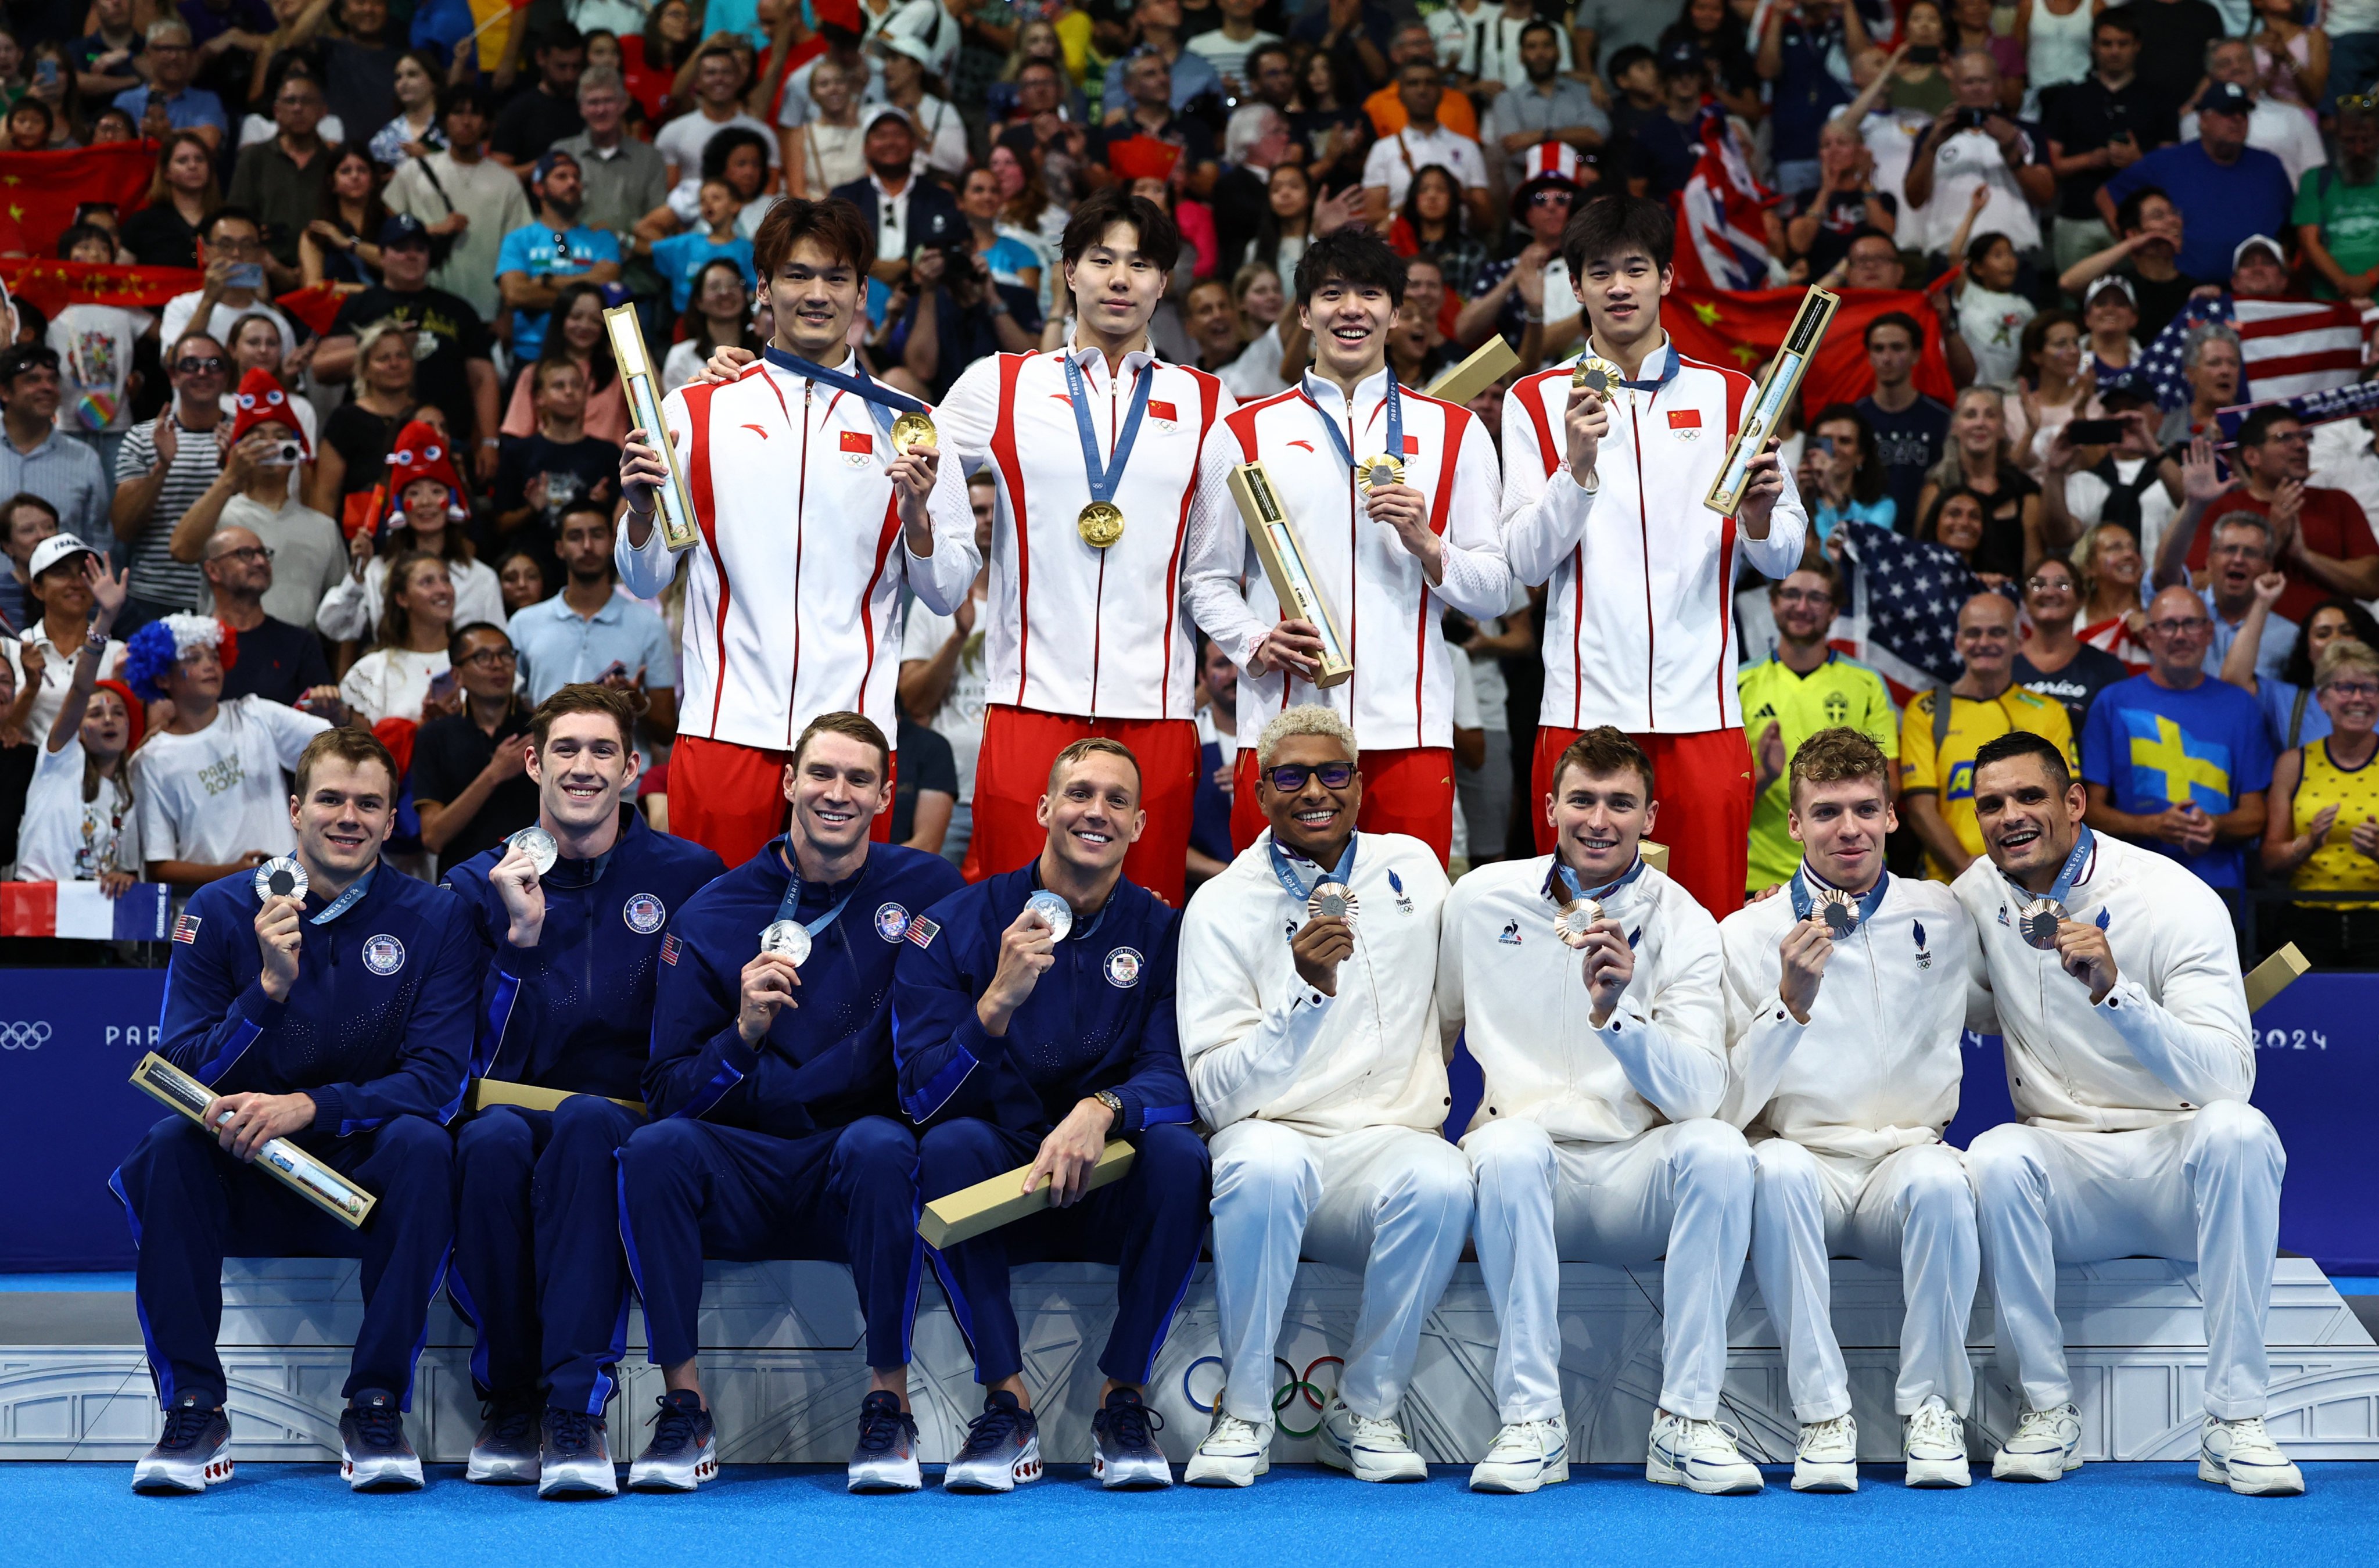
405	520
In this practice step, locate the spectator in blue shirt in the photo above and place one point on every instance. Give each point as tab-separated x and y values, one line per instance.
1844	473
680	258
592	631
2224	190
1159	24
538	258
173	60
2291	716
1797	49
2239	556
2174	761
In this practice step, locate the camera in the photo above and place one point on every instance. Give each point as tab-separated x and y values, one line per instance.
284	455
1971	119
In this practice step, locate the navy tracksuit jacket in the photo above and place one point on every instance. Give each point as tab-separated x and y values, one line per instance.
789	1149
1101	1018
537	1266
377	1028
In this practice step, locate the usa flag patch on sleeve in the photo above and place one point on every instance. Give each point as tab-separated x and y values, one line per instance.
923	931
185	930
669	949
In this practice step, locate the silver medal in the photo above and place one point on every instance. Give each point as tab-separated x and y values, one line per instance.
538	846
1571	922
1837	912
1333	900
280	877
1054	912
2039	921
789	937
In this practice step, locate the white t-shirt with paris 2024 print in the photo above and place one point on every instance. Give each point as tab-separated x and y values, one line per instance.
221	793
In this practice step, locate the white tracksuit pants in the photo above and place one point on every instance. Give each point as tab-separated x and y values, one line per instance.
1681	1188
2205	1189
1912	1210
1391	1203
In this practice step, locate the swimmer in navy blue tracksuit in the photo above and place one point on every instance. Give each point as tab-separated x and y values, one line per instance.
1017	1050
566	1003
343	1023
770	1085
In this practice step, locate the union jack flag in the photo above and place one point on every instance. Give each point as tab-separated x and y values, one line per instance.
1721	239
2294	346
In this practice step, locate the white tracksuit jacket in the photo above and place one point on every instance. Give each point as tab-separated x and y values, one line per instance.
1517	988
1878	1065
2170	1037
1259	1042
792	606
1641	575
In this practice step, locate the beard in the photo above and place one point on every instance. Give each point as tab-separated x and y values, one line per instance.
566	210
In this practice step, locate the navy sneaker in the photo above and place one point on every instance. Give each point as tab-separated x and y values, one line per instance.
886	1458
684	1453
576	1459
373	1453
193	1455
1123	1436
505	1451
1003	1447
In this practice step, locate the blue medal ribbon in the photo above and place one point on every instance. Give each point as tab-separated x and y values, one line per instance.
347	900
1562	878
787	906
1102	480
1395	423
1803	901
1298	888
2084	845
1655	384
878	396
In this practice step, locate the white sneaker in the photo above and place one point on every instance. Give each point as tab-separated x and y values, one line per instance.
1235	1453
1526	1454
2243	1457
1367	1447
1934	1445
2047	1444
1698	1455
1827	1459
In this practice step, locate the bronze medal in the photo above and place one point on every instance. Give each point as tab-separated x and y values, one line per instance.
1333	900
2039	921
1571	921
1100	524
1837	912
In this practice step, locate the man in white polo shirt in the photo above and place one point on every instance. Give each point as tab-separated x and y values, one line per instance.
1388	168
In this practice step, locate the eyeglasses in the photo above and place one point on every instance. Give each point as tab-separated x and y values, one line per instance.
487	658
1290	777
2196	627
2362	689
247	552
242	245
213	365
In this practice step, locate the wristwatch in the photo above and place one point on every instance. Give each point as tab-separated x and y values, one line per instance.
1114	1102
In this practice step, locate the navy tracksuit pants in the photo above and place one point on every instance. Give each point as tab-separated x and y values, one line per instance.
537	1266
1151	1223
692	1189
191	1206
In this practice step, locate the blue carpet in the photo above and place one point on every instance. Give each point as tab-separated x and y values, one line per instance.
2104	1516
13	1284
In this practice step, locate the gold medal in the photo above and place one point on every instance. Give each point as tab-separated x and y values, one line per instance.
1595	375
912	429
1100	524
1378	471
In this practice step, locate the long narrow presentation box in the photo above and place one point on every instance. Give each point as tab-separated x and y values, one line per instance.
1483	369
489	1091
643	385
280	1159
2276	974
988	1205
1278	545
1776	395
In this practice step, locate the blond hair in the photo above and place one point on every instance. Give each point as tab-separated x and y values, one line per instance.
1305	718
2342	655
1833	756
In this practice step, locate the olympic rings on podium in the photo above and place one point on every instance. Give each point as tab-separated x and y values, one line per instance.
1283	1396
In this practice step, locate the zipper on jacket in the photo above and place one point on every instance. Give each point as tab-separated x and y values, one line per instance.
1644	533
801	500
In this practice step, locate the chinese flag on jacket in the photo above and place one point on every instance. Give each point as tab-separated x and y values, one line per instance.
1742	331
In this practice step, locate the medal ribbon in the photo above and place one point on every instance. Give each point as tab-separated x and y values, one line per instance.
1394	400
787	906
346	900
878	396
2084	845
1654	385
1803	901
1103	481
1298	888
1564	878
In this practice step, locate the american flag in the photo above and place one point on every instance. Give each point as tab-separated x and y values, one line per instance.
1904	601
1721	241
2294	346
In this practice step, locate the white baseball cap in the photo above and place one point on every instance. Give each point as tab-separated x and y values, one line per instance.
57	548
2250	242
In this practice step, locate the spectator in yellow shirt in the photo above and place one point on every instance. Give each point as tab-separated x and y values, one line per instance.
1937	752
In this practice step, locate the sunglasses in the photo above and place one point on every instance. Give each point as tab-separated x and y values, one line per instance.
1288	778
211	365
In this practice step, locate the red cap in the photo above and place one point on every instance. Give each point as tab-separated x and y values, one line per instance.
840	13
420	453
135	710
262	398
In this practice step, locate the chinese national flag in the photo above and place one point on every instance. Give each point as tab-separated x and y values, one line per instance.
54	285
39	191
1742	331
317	307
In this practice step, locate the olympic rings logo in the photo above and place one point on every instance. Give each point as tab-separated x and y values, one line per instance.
24	1036
1283	1396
